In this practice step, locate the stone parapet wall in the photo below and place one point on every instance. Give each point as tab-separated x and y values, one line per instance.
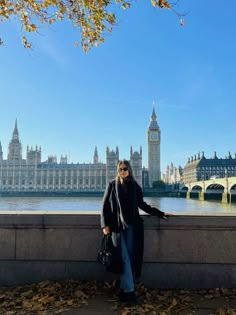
183	252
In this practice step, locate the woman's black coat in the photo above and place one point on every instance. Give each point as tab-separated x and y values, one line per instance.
112	216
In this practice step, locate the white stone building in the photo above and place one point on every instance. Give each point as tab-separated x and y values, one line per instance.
34	175
31	174
172	175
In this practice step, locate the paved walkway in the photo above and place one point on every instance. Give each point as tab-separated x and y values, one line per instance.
96	305
200	305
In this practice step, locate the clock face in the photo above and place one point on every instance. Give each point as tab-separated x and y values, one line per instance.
153	136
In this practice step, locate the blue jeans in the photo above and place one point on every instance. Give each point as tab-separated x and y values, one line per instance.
127	254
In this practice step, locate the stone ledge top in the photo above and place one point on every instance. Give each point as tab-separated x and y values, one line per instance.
91	219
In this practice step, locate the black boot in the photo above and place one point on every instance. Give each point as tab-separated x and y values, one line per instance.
121	295
128	297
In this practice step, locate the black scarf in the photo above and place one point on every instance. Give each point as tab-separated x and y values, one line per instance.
127	200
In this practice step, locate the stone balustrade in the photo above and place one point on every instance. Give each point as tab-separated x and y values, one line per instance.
184	252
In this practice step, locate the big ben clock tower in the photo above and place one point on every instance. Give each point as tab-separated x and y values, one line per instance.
154	140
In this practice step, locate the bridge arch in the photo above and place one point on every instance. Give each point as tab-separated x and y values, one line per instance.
232	188
196	188
215	186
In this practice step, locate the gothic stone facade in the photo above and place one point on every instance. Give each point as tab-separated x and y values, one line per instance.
31	174
153	142
173	174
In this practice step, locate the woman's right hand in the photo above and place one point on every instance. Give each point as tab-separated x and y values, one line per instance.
106	230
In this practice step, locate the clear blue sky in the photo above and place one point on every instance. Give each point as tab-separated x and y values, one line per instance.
67	101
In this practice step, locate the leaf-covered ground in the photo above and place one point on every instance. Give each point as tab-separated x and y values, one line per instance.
48	297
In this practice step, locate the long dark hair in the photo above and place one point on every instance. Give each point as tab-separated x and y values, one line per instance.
131	173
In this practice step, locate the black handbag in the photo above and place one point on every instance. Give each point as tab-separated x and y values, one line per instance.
105	255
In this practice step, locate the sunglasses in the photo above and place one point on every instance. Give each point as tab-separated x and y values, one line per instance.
123	169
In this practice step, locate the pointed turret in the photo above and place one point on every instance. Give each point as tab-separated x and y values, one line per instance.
136	163
15	134
95	156
112	158
153	116
33	156
14	147
153	120
63	159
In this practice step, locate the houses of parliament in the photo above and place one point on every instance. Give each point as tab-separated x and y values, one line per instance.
19	175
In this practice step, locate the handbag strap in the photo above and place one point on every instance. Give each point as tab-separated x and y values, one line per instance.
106	239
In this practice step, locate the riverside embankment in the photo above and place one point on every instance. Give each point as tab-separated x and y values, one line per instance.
183	252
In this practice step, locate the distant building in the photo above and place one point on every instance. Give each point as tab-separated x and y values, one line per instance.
173	174
199	167
34	175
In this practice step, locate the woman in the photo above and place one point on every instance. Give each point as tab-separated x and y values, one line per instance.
120	218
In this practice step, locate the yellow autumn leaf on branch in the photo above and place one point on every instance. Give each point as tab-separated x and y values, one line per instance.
94	19
33	27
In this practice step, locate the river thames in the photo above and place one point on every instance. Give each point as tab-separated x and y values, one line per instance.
168	204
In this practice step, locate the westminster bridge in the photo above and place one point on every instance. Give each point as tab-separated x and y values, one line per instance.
217	188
